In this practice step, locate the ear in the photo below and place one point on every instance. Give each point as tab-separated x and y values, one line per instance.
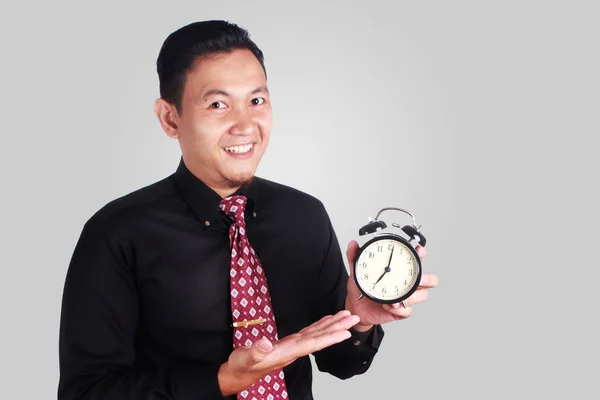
167	117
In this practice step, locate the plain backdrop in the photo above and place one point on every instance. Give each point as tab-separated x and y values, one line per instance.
481	118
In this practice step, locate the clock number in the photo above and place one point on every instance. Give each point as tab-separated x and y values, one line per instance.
391	246
366	276
409	260
384	291
410	272
380	248
405	282
371	254
396	289
364	264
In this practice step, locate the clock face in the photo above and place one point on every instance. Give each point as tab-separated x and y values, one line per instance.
387	270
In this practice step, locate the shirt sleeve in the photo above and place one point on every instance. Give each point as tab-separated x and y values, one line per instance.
99	318
355	355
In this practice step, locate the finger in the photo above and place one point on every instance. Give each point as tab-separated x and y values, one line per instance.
294	346
398	312
315	325
325	322
322	334
419	296
421	251
351	253
338	324
257	352
428	281
309	344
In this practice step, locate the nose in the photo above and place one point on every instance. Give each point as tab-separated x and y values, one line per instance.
243	123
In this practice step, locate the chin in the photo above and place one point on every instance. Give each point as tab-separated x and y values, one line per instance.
240	180
239	172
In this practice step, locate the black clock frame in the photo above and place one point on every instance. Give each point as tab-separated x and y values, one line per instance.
387	236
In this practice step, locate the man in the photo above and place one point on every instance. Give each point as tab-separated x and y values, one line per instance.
212	282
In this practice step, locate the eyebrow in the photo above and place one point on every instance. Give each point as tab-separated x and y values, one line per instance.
213	92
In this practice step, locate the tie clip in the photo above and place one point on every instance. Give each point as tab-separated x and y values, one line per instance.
245	323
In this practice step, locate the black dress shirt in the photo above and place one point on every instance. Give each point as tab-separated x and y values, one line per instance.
146	305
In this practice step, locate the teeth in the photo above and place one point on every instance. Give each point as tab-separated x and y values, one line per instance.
239	149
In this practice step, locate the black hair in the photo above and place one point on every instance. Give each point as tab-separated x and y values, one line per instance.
184	47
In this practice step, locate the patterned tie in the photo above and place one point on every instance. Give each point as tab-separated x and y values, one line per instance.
250	301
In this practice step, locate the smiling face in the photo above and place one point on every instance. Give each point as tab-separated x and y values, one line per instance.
225	121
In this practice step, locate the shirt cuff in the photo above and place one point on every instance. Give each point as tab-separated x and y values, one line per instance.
359	337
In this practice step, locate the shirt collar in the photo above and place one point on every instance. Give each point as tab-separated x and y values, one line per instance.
204	201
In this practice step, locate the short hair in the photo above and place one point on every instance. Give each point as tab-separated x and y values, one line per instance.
185	46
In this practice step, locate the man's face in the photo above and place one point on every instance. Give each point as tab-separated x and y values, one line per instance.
226	119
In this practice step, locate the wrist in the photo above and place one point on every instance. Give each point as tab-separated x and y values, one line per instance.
360	327
229	382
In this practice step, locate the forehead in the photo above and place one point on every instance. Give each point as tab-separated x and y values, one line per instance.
238	71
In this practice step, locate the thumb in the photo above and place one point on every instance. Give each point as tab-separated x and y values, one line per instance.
258	351
351	253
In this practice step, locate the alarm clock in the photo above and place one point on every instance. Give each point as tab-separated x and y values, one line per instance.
387	268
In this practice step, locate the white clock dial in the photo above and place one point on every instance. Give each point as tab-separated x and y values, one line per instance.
387	269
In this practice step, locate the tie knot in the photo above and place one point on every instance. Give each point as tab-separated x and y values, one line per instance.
234	206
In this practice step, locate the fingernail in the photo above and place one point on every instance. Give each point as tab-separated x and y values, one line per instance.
264	345
396	305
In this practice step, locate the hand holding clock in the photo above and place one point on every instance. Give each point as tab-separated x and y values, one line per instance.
373	313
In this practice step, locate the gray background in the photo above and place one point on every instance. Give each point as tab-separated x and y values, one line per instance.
479	117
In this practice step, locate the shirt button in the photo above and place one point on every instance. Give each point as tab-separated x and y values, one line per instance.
356	342
364	362
207	223
254	214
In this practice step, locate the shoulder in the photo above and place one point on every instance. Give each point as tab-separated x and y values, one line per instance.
272	192
121	210
299	208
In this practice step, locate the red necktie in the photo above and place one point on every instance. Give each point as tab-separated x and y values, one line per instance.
250	300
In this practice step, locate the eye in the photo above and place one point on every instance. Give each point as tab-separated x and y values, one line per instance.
257	101
217	104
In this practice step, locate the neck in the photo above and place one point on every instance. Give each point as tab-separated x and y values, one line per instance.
224	192
223	187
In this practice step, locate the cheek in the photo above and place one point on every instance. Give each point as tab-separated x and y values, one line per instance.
265	121
207	134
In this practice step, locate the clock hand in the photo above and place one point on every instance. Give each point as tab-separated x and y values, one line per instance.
387	269
390	260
